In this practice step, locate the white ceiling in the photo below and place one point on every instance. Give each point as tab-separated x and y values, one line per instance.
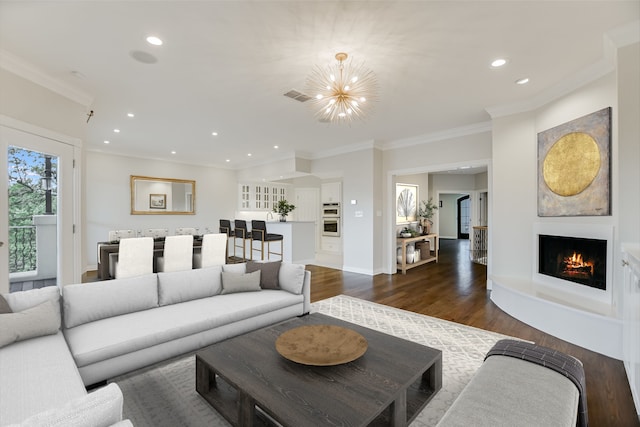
225	66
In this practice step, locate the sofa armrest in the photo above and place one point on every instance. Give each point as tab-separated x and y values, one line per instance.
306	292
101	408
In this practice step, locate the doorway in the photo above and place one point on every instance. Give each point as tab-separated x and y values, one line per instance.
37	244
464	216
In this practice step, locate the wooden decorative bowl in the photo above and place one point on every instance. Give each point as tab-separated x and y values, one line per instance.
321	345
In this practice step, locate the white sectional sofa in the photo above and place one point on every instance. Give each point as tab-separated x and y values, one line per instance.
116	326
39	381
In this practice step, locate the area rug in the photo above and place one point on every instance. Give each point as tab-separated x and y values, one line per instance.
164	394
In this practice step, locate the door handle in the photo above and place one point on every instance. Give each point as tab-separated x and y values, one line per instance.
1	244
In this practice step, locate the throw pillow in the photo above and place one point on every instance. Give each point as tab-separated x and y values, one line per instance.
234	282
100	408
4	306
43	319
291	277
234	268
268	273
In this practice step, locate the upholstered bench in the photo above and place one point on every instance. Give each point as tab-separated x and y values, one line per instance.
522	384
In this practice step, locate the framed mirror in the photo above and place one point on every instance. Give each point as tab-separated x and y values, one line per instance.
162	196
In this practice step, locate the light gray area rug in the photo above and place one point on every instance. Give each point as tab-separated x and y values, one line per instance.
164	394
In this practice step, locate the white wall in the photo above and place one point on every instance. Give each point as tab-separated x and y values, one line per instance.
359	183
108	203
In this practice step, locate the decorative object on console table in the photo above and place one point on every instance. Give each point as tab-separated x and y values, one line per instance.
426	211
282	208
574	167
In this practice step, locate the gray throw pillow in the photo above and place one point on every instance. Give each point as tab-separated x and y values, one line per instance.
4	306
43	319
268	273
234	282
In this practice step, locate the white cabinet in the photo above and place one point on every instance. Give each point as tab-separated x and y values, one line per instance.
631	320
331	192
331	244
260	197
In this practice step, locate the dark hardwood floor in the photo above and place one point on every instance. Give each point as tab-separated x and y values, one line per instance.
455	289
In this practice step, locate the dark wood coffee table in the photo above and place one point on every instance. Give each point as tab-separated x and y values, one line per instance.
245	376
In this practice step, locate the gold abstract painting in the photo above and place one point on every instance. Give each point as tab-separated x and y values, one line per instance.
574	167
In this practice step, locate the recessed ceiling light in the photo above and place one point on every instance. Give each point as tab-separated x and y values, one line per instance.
276	147
154	41
228	160
173	152
106	142
116	130
498	62
522	81
214	133
464	167
249	155
130	115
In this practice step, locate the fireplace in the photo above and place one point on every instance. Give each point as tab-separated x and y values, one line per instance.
578	260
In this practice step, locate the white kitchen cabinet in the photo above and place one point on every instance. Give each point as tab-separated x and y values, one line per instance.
331	244
260	196
631	320
331	192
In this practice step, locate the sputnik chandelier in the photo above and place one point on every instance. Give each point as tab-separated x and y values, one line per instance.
342	92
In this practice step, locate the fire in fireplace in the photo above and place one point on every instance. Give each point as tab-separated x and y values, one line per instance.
578	260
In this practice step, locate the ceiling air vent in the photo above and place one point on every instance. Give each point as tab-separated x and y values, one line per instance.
297	95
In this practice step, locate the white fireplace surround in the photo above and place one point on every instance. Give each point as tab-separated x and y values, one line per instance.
575	313
574	294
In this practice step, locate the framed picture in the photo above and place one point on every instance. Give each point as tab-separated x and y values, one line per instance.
157	201
574	167
406	203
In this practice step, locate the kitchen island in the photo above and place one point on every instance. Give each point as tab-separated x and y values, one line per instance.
299	241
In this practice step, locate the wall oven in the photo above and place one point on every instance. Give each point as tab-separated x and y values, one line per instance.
331	227
331	210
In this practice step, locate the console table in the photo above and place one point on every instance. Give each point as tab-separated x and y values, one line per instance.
404	241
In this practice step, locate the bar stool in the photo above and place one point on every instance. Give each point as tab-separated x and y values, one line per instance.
225	227
259	233
241	232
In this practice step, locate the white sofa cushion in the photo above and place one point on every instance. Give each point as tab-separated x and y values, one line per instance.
109	338
19	301
101	408
180	286
43	319
87	302
37	375
291	277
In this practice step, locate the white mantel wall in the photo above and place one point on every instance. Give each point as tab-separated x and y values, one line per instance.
514	201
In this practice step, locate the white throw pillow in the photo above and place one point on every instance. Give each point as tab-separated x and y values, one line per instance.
239	268
88	302
43	319
291	277
179	286
101	408
234	282
20	301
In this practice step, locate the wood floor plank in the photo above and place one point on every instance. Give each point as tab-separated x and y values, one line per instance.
455	289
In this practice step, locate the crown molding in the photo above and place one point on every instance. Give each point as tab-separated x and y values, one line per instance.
22	68
458	132
351	148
